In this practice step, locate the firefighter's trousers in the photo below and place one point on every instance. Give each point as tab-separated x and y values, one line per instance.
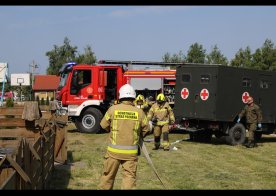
157	131
111	166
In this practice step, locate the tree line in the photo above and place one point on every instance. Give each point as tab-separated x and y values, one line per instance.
264	58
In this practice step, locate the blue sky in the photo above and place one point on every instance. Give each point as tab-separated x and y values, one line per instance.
129	32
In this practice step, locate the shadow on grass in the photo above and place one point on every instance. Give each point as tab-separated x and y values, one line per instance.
223	140
177	131
62	174
75	130
264	139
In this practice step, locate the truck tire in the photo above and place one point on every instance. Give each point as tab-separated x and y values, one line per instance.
237	135
89	121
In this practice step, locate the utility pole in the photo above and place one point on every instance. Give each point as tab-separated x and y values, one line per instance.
32	67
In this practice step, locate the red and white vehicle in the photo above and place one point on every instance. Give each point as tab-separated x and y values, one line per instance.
85	91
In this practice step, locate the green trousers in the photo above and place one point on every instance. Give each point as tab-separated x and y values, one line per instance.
251	129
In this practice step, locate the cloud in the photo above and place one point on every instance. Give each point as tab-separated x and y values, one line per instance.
143	10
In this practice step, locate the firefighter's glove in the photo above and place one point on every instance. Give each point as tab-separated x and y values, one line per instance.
259	125
238	120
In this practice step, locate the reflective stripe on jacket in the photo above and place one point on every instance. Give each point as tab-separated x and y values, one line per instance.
126	124
123	149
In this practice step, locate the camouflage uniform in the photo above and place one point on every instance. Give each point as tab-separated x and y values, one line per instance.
253	116
161	116
126	124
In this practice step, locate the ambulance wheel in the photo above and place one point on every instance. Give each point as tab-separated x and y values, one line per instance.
237	135
89	121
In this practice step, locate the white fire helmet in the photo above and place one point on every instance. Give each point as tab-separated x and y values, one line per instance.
127	91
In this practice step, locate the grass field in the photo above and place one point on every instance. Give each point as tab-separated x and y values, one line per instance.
194	165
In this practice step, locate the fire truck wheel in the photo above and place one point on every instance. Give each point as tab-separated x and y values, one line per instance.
237	135
89	121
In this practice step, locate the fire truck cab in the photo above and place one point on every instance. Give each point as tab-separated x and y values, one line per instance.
86	91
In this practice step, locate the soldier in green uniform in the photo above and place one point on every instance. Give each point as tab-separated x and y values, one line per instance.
253	115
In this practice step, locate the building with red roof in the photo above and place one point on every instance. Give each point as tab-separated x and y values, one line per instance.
45	86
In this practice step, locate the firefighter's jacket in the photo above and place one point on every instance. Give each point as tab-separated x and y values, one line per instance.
126	124
145	106
162	114
252	114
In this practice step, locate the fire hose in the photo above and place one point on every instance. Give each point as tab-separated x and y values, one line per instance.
145	151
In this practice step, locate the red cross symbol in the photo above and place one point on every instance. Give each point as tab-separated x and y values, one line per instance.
204	94
184	93
245	96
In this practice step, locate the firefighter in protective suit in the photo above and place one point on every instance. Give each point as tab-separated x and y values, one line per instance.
126	124
162	116
141	103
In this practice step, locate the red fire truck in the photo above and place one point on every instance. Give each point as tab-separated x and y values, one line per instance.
85	91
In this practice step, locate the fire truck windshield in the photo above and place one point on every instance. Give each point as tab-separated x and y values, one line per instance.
63	80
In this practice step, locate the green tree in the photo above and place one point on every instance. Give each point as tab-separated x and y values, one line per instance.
257	59
196	54
265	57
8	87
166	58
175	58
243	58
26	92
60	55
216	57
9	103
88	57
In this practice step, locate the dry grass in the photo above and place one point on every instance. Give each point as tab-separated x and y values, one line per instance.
212	165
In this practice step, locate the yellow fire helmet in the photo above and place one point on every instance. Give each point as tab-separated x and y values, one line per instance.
160	97
140	98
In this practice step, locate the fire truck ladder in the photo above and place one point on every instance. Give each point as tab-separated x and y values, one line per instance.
128	63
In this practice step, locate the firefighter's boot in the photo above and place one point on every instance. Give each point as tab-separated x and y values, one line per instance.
250	144
156	142
165	142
